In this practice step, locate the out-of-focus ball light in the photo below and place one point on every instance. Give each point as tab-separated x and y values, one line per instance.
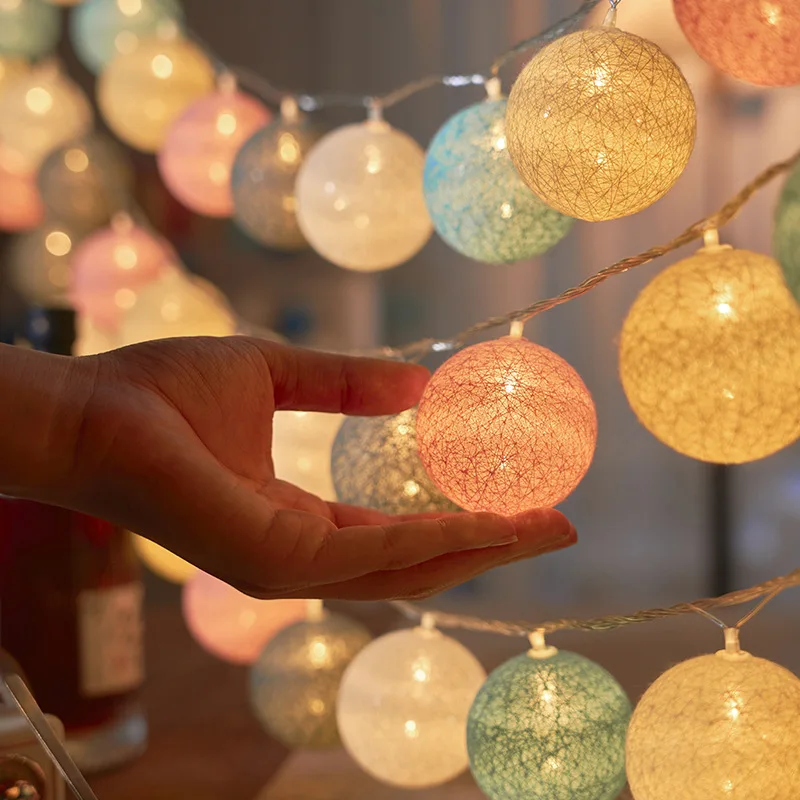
40	264
234	626
263	182
752	40
142	93
360	198
40	111
716	727
302	442
375	464
710	357
550	726
403	706
196	159
86	181
506	426
20	204
12	67
477	201
112	265
601	123
787	232
162	562
91	340
100	30
295	681
28	28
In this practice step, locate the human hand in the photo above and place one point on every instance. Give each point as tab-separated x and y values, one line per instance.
173	440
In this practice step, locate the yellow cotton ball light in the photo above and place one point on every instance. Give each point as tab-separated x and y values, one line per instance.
710	357
162	562
142	93
403	705
360	202
601	123
11	67
717	727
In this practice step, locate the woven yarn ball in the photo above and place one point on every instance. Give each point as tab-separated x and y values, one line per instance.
787	232
263	182
231	625
601	123
40	264
295	681
141	94
549	728
41	110
21	206
506	426
752	40
100	30
403	706
360	199
196	159
375	464
28	28
717	727
163	562
477	201
86	181
710	357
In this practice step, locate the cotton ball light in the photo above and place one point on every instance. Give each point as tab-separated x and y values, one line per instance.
549	724
112	265
40	264
506	426
196	159
375	463
710	357
40	111
142	93
730	721
28	28
787	232
295	681
601	123
100	30
755	42
360	202
231	625
20	204
477	201
403	705
162	562
302	442
85	181
12	67
175	305
263	181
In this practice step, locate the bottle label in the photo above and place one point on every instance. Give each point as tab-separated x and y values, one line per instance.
111	632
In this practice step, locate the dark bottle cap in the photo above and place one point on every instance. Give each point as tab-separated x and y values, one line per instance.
52	330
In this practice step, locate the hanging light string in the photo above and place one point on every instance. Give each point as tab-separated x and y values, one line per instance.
768	590
419	349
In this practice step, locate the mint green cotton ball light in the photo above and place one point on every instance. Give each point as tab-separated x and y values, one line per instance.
28	28
477	201
787	232
551	727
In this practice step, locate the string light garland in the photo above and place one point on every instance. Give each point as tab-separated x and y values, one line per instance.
786	240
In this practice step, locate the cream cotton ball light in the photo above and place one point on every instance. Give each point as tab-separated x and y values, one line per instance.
710	357
717	727
506	426
142	93
601	123
403	705
360	200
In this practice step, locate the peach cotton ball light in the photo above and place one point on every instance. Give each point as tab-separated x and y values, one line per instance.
506	426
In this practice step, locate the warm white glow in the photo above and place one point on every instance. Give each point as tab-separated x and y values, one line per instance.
506	211
130	8
162	66
39	100
288	148
218	173
58	243
125	299
411	488
125	256
76	160
226	124
126	41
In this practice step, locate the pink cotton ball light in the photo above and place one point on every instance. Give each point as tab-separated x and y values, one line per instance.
198	154
232	625
506	426
110	266
21	205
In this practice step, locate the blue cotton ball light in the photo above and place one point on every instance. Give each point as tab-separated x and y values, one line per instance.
477	201
549	725
28	28
787	232
103	29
